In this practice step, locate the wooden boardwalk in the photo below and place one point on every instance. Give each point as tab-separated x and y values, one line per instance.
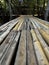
24	41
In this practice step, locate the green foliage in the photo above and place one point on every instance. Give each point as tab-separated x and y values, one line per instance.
34	5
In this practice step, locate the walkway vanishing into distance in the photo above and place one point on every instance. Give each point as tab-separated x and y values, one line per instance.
24	41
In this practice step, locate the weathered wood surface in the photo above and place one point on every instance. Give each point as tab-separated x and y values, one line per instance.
21	54
24	41
31	59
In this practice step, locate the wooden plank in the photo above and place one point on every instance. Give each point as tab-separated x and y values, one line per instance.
8	57
43	22
43	44
44	27
23	26
44	35
41	58
21	54
6	44
7	31
30	51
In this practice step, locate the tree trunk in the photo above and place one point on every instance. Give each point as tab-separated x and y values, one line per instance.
47	11
10	10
